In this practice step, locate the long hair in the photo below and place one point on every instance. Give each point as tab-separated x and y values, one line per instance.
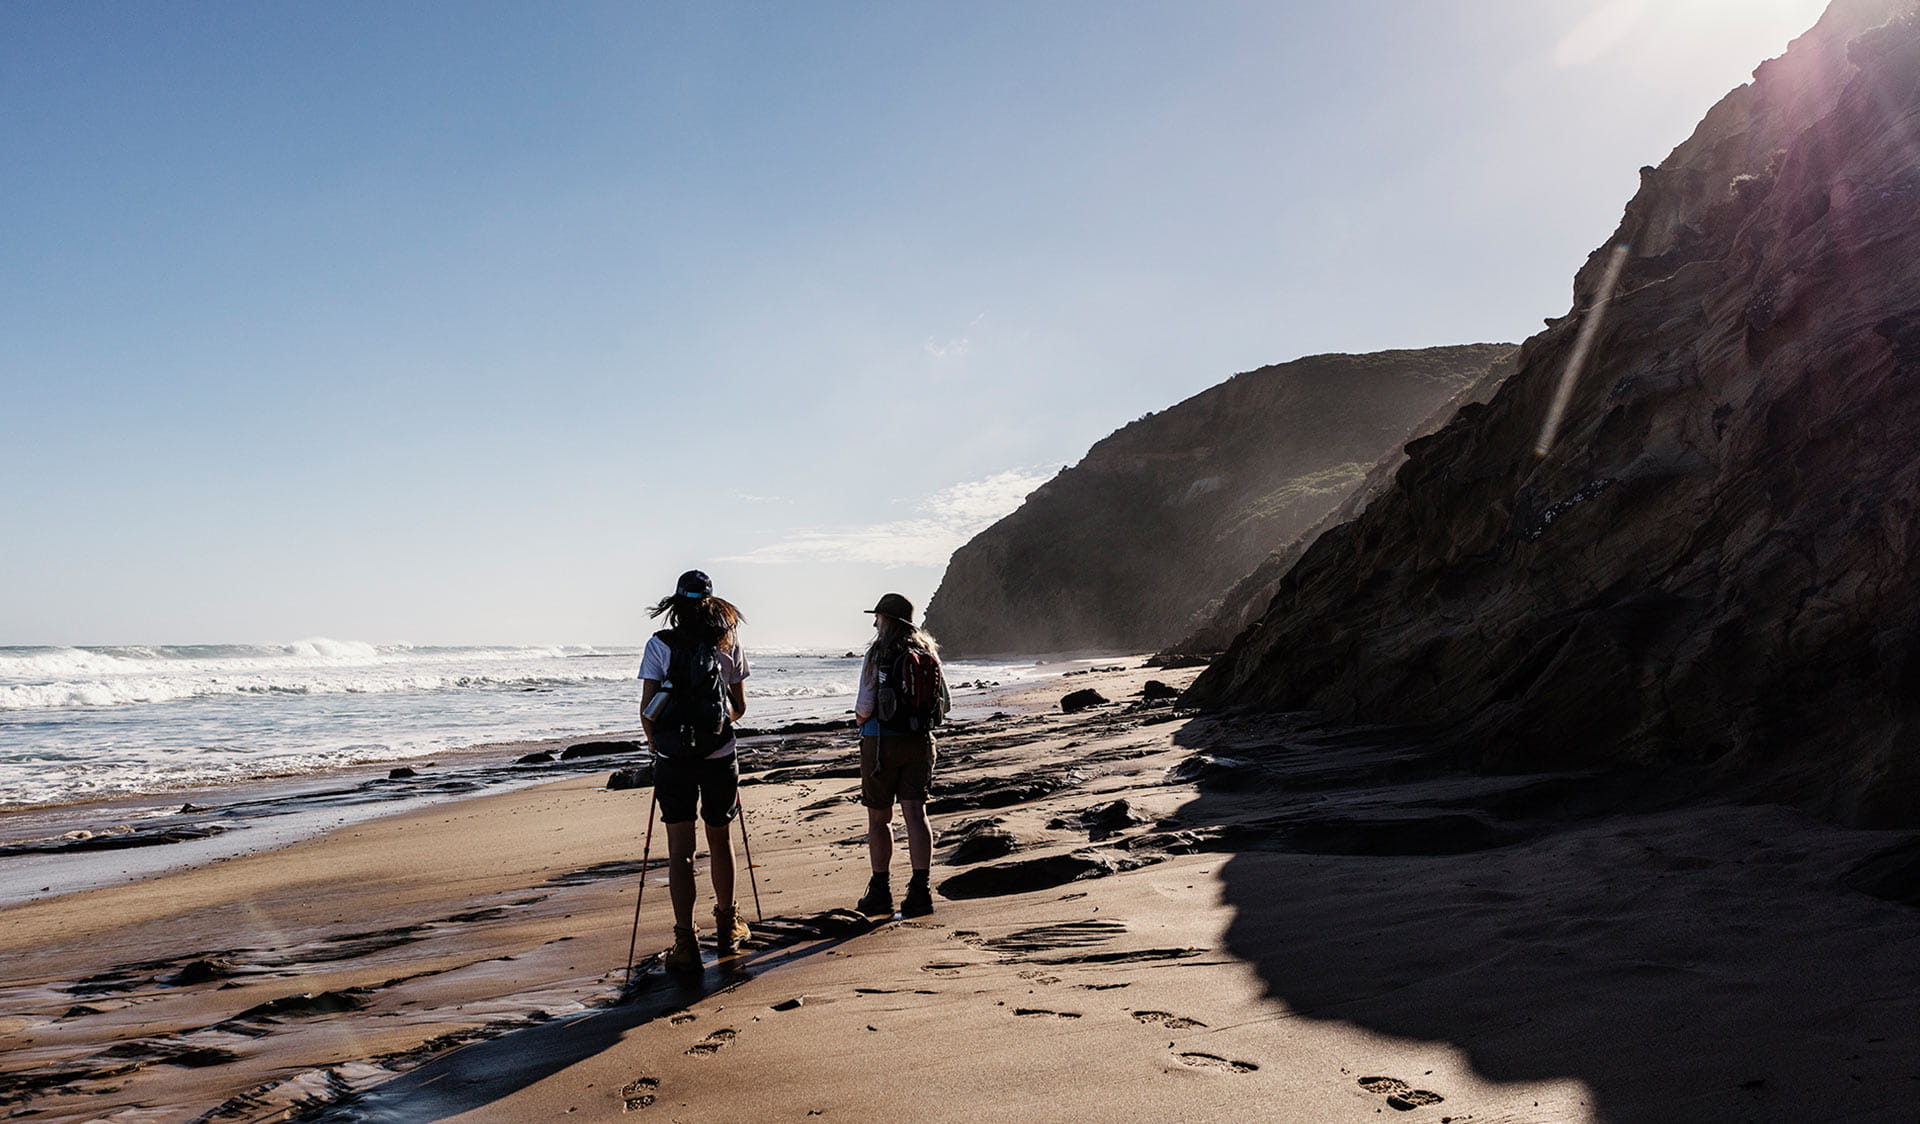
707	617
895	634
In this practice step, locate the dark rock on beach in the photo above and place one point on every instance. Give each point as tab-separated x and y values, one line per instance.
623	779
541	758
307	1005
1076	701
401	773
113	839
983	841
1030	874
202	971
1892	875
1002	791
599	749
1716	563
819	726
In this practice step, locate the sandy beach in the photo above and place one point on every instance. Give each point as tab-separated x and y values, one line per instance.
1140	915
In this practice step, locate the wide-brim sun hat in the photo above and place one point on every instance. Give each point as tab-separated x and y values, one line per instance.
895	606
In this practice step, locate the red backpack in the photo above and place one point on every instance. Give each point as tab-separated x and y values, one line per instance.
911	694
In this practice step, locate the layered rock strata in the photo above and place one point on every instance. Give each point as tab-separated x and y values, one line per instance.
1215	625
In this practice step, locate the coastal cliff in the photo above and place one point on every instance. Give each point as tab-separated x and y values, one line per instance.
1121	550
1714	565
1215	625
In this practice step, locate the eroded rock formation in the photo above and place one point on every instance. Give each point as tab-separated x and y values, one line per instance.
1120	551
1715	565
1228	615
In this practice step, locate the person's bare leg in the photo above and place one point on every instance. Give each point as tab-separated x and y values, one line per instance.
720	863
680	872
879	896
919	833
880	838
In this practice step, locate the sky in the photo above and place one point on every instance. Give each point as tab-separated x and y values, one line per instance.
473	322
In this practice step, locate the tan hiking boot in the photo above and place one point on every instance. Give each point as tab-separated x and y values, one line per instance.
730	930
684	956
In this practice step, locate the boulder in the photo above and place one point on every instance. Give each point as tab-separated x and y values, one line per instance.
638	777
1076	701
599	749
985	841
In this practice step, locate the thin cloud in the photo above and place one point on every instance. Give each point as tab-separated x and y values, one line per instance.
941	523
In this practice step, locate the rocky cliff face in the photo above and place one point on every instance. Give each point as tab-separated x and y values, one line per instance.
1119	551
1216	624
1715	565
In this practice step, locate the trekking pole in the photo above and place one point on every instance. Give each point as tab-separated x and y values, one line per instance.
752	878
646	852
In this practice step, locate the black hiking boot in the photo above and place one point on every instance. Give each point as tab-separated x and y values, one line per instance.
878	900
919	899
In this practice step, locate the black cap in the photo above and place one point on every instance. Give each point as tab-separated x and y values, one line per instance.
694	584
895	606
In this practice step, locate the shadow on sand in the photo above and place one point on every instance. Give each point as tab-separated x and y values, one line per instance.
481	1073
1681	959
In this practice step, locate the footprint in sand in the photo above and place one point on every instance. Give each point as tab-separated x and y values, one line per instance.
640	1092
1037	1013
1168	1019
710	1045
1213	1061
1399	1094
680	1020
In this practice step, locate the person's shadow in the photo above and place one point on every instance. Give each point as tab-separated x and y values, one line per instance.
483	1072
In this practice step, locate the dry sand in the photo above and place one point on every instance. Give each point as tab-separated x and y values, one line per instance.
1278	923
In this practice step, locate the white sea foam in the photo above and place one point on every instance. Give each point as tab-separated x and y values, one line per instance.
50	678
80	723
827	690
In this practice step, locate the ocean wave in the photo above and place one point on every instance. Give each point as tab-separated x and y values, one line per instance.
799	690
48	662
128	690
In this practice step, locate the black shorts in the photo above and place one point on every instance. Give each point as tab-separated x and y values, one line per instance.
713	781
895	768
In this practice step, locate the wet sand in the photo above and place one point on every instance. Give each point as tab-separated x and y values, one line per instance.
1139	916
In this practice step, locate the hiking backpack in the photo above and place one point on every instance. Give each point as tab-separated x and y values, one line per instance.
911	691
696	719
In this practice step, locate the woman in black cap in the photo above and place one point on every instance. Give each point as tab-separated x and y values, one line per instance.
692	677
903	696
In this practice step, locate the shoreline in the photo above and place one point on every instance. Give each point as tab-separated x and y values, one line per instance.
51	849
1140	915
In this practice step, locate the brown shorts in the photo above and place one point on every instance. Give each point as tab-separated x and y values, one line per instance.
895	768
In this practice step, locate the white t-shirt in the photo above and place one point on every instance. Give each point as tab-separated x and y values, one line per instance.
655	659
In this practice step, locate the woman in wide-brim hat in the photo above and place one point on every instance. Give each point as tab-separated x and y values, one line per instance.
896	755
696	770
